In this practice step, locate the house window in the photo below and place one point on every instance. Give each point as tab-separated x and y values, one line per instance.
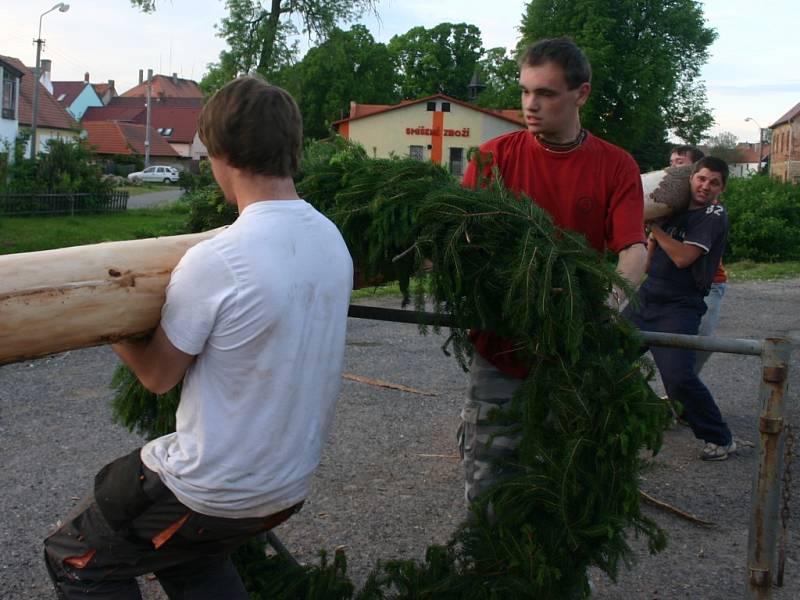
9	96
415	152
445	107
457	161
431	106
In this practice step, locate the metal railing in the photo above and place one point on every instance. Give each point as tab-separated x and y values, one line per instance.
775	356
62	204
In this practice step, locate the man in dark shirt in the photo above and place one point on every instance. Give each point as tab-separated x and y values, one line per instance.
683	256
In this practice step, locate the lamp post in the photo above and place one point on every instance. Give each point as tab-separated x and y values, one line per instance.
62	7
760	137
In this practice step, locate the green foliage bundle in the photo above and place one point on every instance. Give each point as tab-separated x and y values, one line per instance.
584	412
374	202
764	216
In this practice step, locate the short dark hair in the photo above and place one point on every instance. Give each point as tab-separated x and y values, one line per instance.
563	52
254	126
712	163
693	152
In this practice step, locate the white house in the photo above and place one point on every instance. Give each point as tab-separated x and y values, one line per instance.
9	116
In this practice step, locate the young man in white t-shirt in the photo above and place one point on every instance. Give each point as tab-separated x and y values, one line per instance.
254	325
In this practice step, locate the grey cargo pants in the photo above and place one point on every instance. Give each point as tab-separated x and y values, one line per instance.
488	451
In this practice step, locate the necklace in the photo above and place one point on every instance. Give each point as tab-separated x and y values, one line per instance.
563	146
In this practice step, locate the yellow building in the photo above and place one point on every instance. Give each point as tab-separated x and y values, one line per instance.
436	128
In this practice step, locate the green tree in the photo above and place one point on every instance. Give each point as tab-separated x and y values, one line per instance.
441	59
723	145
499	71
258	32
646	57
348	66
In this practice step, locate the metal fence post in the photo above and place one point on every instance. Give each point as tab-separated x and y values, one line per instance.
767	482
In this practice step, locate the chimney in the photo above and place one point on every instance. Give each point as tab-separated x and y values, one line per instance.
45	65
110	83
141	76
175	79
86	77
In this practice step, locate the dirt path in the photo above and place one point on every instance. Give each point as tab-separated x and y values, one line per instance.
390	483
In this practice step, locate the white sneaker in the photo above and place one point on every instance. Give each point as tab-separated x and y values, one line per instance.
717	452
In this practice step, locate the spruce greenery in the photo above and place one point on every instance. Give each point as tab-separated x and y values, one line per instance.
585	411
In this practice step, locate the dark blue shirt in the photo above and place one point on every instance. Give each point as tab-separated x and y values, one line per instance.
706	228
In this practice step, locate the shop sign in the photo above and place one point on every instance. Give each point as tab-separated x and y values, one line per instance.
463	132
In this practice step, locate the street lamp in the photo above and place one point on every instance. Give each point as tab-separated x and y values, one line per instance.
62	7
760	137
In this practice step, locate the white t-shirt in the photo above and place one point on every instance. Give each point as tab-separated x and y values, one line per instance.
263	305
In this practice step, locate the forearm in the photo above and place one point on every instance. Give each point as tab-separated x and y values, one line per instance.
682	255
157	364
632	262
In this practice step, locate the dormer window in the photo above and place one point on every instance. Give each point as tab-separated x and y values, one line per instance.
9	96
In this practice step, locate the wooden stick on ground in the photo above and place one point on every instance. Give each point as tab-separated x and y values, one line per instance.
386	384
675	511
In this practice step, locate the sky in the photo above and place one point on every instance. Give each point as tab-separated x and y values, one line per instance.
753	71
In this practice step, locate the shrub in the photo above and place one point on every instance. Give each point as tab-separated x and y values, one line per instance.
208	209
190	182
67	167
764	218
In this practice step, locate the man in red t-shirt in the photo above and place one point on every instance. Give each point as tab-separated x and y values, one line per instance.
587	185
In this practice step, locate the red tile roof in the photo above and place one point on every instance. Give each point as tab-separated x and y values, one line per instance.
357	112
70	89
119	101
182	121
163	86
112	113
793	113
125	138
51	113
102	88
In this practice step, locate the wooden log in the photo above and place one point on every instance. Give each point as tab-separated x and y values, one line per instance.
83	296
666	192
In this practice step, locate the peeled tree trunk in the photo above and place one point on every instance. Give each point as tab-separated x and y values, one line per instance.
83	296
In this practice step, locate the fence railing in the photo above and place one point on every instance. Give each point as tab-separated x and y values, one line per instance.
62	204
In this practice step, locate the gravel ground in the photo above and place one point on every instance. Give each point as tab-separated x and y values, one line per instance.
390	482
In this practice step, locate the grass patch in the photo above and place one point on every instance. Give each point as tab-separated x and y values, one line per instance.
30	234
748	270
380	291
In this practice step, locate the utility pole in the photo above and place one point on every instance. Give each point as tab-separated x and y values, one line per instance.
62	7
147	130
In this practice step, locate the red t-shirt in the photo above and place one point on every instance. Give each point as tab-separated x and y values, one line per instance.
595	189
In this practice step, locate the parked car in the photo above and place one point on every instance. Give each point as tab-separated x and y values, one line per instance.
155	173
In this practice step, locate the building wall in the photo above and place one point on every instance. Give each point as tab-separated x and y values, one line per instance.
434	135
88	97
198	149
8	133
785	152
9	127
45	134
743	169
